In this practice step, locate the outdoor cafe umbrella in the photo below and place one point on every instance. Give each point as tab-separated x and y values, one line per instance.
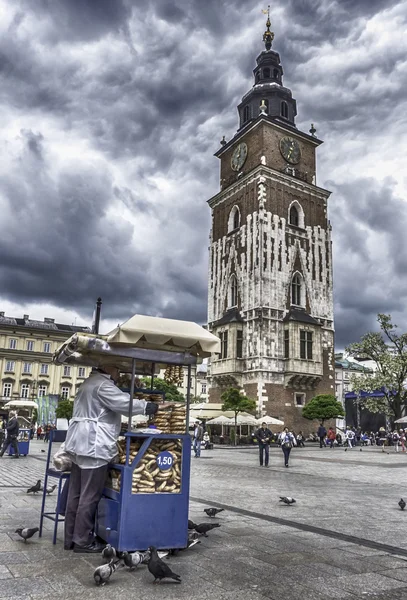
269	421
402	420
221	420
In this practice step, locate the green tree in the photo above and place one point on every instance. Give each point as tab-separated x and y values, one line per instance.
236	402
172	393
323	407
388	350
64	410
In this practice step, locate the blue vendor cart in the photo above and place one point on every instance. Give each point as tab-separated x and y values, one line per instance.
23	441
146	495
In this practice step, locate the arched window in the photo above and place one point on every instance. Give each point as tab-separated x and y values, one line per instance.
266	73
234	219
296	285
294	219
246	114
284	109
296	214
232	291
276	74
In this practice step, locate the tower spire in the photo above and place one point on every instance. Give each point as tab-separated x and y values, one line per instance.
268	36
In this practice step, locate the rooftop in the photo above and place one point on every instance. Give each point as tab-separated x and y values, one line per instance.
47	324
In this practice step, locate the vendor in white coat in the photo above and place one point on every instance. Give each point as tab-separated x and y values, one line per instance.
91	443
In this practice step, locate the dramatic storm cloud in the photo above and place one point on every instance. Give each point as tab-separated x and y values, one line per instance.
112	110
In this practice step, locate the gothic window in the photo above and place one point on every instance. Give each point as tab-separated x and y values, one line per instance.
284	109
224	344
246	114
296	285
294	220
296	215
286	343
266	73
232	291
239	343
234	219
306	342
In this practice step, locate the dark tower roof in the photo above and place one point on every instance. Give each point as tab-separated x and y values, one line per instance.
268	96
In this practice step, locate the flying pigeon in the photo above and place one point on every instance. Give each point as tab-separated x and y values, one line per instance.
26	533
212	512
35	488
203	528
159	568
402	504
108	553
133	560
51	489
191	524
103	572
287	500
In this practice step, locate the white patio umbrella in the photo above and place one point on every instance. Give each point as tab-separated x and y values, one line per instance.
21	404
221	420
269	421
402	420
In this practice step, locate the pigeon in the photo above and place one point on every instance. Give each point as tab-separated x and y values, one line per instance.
191	524
108	553
287	500
146	556
159	568
203	528
212	512
51	489
133	560
35	488
402	504
26	533
103	572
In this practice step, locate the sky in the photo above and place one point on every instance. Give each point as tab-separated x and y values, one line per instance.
111	111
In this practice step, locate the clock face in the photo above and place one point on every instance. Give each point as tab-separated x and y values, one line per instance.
290	149
239	156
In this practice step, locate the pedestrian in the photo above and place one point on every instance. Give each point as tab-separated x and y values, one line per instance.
396	440
403	440
12	429
349	436
206	440
198	437
91	444
321	433
300	440
331	437
287	442
264	436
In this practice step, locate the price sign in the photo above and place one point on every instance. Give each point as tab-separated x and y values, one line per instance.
165	460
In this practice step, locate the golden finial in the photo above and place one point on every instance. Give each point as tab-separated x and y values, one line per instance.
268	36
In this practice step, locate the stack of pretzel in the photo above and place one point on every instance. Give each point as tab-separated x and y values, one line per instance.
178	418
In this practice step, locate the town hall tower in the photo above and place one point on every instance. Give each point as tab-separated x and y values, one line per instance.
270	264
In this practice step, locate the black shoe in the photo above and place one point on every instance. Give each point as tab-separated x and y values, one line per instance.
16	456
266	466
286	465
69	546
93	548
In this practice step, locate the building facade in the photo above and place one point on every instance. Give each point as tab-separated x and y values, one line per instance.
26	367
270	297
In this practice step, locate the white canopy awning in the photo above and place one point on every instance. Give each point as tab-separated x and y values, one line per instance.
269	421
221	420
21	404
150	332
402	420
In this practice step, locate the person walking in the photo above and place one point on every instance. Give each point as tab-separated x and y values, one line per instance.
403	440
349	436
321	433
91	444
198	437
396	440
264	436
12	429
287	442
331	437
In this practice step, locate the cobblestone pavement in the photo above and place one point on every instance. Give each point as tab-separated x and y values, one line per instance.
263	549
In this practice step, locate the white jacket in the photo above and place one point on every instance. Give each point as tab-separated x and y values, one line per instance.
95	425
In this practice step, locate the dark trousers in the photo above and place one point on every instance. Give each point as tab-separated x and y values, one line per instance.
10	441
286	454
85	491
264	449
321	441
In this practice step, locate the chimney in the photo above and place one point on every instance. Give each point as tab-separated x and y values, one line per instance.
47	320
26	317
